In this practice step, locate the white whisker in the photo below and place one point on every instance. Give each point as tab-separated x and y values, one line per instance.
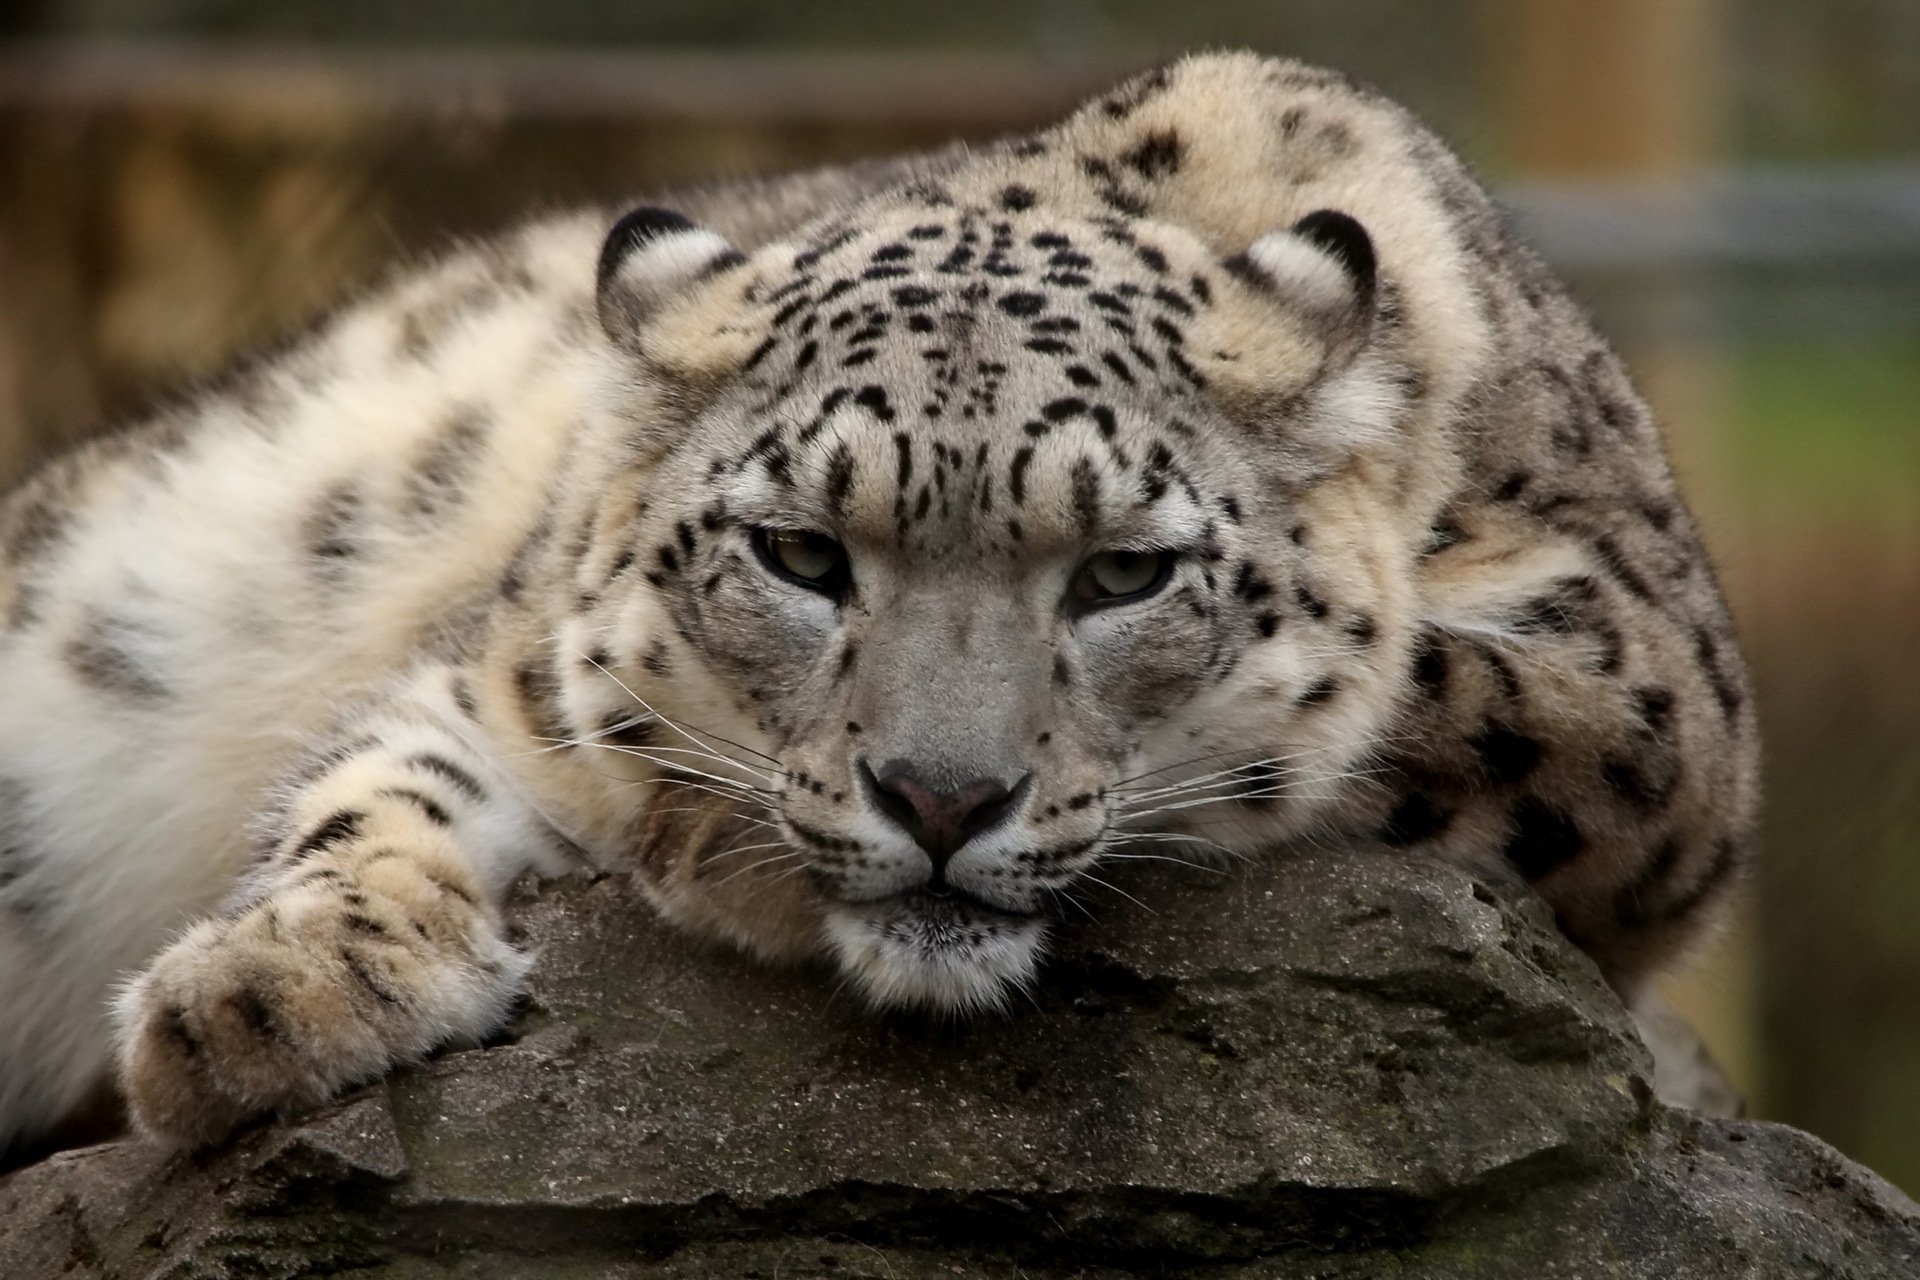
734	817
1093	879
654	712
755	866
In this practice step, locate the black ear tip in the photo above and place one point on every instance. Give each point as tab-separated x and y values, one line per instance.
635	228
1342	237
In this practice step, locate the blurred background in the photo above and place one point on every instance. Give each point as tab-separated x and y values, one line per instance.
1732	185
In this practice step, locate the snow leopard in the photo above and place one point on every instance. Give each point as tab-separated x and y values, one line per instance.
860	562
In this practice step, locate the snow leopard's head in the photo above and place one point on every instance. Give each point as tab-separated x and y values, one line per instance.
958	547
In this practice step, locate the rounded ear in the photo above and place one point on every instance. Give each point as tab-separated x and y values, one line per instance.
649	256
1324	263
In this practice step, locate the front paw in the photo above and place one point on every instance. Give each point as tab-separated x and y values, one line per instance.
282	1006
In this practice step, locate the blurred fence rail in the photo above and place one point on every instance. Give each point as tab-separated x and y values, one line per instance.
1813	218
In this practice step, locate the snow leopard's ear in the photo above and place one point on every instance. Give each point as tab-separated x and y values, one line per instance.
1314	393
1324	265
650	256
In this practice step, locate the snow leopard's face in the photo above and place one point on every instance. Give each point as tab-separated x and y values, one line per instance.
987	554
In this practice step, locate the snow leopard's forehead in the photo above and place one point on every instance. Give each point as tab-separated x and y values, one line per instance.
967	300
995	370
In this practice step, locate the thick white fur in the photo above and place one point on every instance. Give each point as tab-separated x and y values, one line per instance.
141	845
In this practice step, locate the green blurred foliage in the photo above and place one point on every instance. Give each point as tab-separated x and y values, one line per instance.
1826	426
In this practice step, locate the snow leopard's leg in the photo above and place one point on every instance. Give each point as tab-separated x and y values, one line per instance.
368	932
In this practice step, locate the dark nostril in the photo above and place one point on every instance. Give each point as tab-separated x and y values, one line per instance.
992	806
887	798
940	820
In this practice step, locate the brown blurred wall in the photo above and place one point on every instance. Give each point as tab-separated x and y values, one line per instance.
165	209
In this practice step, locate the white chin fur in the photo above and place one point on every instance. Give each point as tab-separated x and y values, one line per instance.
953	962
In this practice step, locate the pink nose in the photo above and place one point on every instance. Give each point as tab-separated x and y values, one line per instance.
939	821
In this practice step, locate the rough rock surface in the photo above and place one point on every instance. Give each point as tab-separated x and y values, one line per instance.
1326	1066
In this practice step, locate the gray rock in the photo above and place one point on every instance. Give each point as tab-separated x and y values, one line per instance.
1325	1066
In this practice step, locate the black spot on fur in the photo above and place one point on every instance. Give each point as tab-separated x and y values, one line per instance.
171	1025
1015	197
758	354
624	728
903	463
1322	690
1414	819
360	922
1725	691
1563	611
1017	474
1249	585
1630	783
102	656
449	772
1446	532
1085	482
1430	665
538	691
332	532
1158	154
337	828
1544	839
251	1006
1621	569
1727	858
1507	755
439	479
840	473
358	968
1131	96
463	699
434	811
1631	905
16	855
874	400
38	525
1501	670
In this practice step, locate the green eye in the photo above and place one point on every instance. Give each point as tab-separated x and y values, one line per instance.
804	558
1114	577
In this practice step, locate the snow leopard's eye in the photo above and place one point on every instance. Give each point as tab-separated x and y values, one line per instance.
1117	577
804	558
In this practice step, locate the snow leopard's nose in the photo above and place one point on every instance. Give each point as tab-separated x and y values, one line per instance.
939	819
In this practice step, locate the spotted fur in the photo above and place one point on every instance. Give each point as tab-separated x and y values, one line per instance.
482	575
